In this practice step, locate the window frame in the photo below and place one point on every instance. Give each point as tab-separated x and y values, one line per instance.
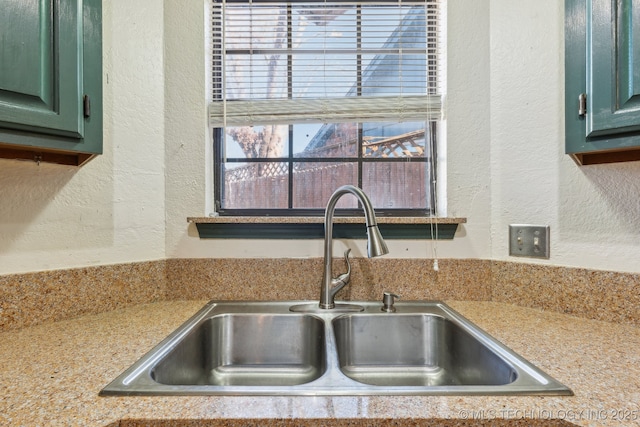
433	132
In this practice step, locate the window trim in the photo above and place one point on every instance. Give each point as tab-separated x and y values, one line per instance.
304	228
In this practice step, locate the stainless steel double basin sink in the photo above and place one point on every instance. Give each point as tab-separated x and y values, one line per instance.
262	348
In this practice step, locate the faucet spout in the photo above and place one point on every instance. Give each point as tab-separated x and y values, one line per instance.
375	243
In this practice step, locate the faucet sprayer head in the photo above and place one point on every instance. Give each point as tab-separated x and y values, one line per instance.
375	243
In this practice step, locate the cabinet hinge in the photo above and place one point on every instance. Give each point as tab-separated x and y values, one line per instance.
582	105
86	106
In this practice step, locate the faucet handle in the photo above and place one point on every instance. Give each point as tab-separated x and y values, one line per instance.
346	259
388	299
343	279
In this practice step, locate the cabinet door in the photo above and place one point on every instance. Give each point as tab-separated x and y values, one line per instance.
40	52
602	62
51	80
613	68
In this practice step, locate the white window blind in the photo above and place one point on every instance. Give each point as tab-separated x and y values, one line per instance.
292	62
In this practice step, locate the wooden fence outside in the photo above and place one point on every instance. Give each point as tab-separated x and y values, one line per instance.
388	184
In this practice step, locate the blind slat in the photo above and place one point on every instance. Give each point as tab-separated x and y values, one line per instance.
326	61
326	110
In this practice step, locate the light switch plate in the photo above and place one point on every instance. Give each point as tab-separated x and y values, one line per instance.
528	240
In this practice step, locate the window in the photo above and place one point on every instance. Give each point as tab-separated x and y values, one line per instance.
308	96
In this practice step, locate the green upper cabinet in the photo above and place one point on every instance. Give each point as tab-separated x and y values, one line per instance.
51	80
602	80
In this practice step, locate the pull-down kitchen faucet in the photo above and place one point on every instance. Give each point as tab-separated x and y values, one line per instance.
375	247
375	244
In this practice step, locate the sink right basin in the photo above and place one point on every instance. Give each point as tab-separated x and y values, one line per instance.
415	350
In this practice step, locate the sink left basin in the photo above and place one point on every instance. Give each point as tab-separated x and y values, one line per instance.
247	349
231	348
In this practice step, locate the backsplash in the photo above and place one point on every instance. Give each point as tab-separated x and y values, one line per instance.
33	298
291	279
594	294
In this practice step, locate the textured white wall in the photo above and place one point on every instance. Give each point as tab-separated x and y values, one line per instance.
468	139
505	153
112	209
593	211
505	156
187	148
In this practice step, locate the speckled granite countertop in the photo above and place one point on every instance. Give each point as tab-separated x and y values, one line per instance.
51	374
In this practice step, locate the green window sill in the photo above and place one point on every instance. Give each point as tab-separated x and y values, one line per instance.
412	228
